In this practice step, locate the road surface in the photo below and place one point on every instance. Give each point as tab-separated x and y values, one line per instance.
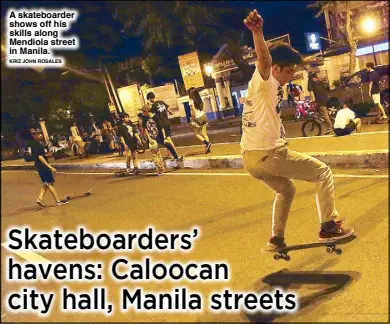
233	212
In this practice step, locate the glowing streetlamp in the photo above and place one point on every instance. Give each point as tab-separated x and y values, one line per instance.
208	69
369	25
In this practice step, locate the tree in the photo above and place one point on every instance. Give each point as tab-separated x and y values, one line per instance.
178	27
351	38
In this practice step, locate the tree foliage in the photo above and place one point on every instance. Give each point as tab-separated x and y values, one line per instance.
350	35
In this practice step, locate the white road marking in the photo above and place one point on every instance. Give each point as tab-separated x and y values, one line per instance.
225	174
288	139
27	255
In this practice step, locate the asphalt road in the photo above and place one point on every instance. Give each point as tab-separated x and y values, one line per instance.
233	212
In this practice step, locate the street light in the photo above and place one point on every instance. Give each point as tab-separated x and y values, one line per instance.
209	69
369	26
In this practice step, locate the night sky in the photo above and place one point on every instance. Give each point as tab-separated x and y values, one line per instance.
281	17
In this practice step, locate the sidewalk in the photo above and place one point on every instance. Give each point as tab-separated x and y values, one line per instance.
357	150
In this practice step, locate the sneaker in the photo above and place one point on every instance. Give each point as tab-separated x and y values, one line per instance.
208	148
62	202
338	232
276	242
40	203
180	158
328	131
136	171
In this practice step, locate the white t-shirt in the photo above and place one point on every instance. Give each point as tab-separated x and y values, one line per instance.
261	125
343	117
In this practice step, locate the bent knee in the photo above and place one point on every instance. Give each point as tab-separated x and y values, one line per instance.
289	191
325	174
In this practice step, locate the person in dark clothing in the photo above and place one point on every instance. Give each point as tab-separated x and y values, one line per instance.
374	90
290	94
155	131
161	109
129	137
45	170
320	96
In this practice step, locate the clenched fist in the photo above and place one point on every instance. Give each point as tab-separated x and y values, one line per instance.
254	22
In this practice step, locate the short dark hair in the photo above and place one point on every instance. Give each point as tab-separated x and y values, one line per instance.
349	103
150	95
123	115
370	65
284	54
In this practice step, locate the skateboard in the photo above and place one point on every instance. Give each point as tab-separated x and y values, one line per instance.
378	121
83	194
150	173
331	247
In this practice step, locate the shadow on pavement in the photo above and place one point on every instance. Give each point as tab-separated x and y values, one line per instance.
324	285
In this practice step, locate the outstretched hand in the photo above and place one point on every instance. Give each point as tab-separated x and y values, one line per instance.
254	22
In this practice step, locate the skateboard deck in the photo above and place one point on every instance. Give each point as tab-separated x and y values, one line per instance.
331	247
149	173
80	195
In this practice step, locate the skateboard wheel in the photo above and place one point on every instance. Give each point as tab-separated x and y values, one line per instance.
287	257
67	198
276	256
339	251
329	250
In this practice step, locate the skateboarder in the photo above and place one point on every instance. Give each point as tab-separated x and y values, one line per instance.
264	148
161	109
129	137
45	170
154	130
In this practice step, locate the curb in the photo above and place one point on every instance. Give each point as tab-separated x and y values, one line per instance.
346	159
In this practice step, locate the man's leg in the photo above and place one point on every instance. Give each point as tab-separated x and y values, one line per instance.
284	188
157	159
135	161
128	159
172	150
42	192
382	110
285	163
325	114
53	192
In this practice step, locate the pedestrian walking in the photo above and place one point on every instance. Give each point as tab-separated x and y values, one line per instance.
155	130
346	121
45	170
199	118
263	145
161	109
129	137
374	90
319	95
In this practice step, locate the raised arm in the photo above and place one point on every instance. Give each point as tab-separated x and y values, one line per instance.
254	22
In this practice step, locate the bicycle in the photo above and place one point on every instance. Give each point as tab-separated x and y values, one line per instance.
312	125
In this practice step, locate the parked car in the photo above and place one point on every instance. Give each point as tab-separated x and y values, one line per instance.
356	87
